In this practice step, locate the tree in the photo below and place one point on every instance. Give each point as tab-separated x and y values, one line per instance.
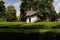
11	14
53	16
59	14
48	10
45	7
27	5
2	9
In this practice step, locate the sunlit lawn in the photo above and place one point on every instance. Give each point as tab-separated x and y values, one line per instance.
30	27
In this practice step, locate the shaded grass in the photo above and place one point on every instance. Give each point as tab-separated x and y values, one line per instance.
30	31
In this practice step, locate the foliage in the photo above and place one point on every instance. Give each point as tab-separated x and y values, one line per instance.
59	14
2	9
45	7
53	16
18	18
27	5
11	14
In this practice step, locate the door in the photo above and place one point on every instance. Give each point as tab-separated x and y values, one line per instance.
29	19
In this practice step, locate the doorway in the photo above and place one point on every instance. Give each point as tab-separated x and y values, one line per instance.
29	19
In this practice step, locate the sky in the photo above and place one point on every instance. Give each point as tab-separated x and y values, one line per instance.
17	3
57	5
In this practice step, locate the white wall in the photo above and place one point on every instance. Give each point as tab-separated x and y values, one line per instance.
27	20
33	19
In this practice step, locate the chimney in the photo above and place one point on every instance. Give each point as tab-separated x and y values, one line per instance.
31	9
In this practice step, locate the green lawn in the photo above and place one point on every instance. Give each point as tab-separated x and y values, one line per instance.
47	25
2	19
29	27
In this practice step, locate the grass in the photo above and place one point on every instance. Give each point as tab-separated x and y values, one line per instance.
29	27
2	19
45	25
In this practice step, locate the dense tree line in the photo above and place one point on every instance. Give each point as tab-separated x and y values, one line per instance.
45	7
9	12
59	14
2	9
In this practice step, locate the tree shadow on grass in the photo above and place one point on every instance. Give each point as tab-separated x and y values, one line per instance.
30	36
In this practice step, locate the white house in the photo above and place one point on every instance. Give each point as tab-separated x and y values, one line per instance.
31	16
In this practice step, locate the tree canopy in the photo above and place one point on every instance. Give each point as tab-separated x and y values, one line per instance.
2	9
45	7
11	13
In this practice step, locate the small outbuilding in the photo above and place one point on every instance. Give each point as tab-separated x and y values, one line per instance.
32	16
